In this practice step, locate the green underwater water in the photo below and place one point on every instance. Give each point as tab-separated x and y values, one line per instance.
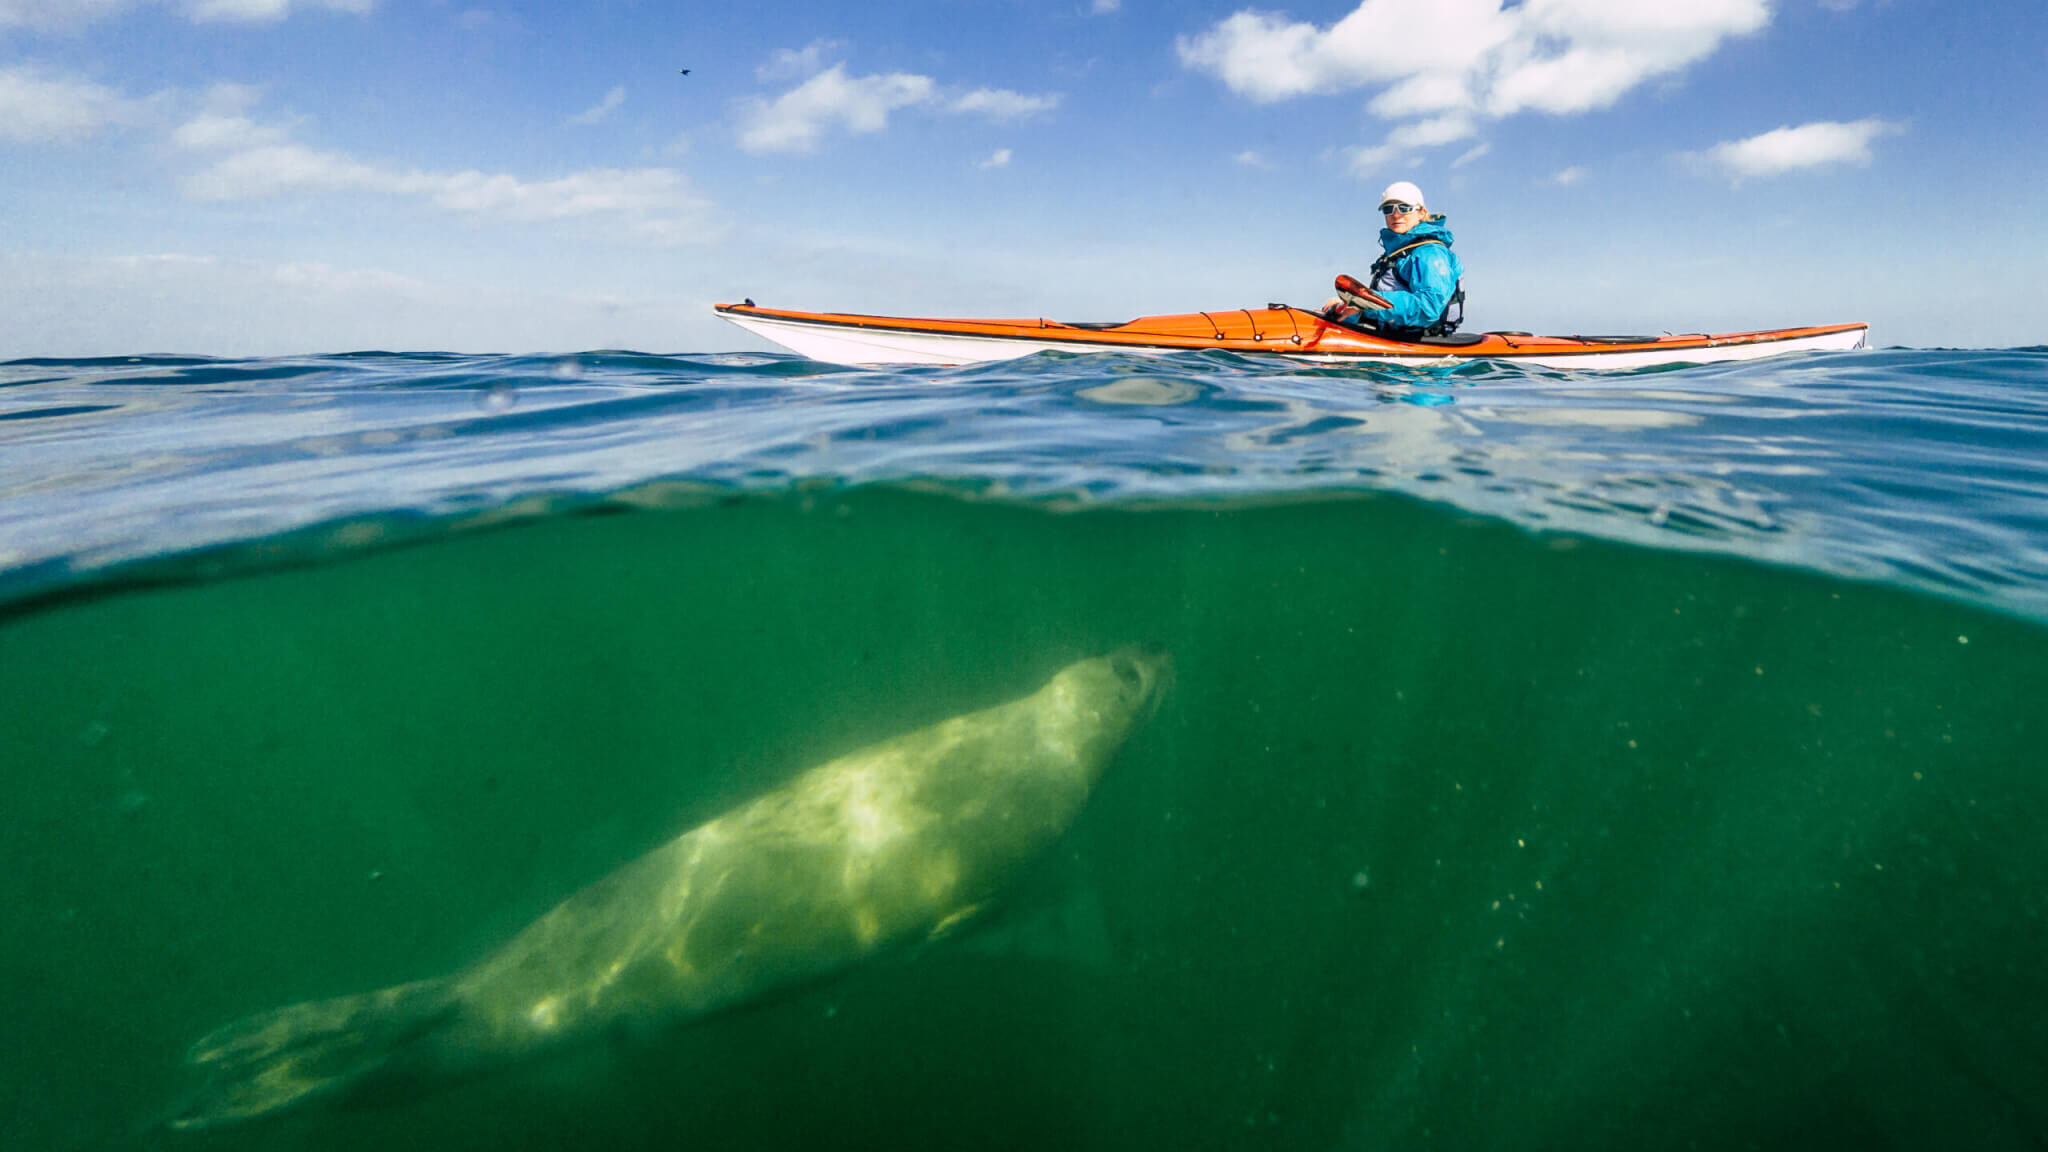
1447	835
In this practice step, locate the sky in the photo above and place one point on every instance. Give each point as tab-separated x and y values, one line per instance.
268	177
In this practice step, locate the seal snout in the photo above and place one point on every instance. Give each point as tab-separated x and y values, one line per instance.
1144	673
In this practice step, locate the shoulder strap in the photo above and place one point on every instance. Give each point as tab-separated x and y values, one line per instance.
1385	262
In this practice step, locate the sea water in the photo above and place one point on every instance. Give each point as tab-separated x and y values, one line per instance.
1554	760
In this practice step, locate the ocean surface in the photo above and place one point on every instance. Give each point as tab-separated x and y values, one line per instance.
1552	760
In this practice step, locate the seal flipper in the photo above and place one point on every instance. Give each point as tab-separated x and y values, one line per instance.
288	1055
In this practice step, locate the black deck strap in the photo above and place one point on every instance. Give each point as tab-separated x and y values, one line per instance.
1213	326
1446	340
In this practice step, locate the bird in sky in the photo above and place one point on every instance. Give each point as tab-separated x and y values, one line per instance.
686	71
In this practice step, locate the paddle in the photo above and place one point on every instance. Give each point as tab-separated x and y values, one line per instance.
1356	294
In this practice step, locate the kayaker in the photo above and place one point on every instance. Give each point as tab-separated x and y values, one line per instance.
1417	273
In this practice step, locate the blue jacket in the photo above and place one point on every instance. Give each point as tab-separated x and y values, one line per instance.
1420	282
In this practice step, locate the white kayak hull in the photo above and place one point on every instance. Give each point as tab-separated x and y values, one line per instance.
870	341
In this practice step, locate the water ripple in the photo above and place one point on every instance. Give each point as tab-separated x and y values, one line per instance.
1926	468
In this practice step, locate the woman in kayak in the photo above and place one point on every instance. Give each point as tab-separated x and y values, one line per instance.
1418	274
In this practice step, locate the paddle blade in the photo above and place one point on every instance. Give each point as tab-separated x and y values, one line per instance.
1353	292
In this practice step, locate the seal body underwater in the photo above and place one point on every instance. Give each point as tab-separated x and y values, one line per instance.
891	844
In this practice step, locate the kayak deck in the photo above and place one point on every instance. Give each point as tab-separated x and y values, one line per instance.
1275	330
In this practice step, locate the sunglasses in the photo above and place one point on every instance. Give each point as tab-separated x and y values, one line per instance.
1396	208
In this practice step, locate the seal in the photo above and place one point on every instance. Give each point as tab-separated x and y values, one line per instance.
892	844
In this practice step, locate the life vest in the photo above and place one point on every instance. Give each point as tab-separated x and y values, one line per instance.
1386	279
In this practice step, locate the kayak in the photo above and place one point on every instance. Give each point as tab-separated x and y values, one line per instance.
1275	330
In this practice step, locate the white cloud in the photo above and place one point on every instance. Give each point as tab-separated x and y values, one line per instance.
602	108
794	121
1002	104
1566	177
1462	61
56	14
1408	137
215	132
256	171
1432	132
485	20
1471	154
1812	145
1104	7
232	98
69	14
39	108
261	11
638	194
788	64
1251	159
250	161
1001	159
829	98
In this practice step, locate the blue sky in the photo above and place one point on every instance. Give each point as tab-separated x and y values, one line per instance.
275	176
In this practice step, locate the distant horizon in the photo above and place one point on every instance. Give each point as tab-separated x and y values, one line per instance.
305	177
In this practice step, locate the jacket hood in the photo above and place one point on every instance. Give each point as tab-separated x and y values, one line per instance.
1431	229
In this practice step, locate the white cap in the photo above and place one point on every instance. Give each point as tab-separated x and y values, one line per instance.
1404	192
